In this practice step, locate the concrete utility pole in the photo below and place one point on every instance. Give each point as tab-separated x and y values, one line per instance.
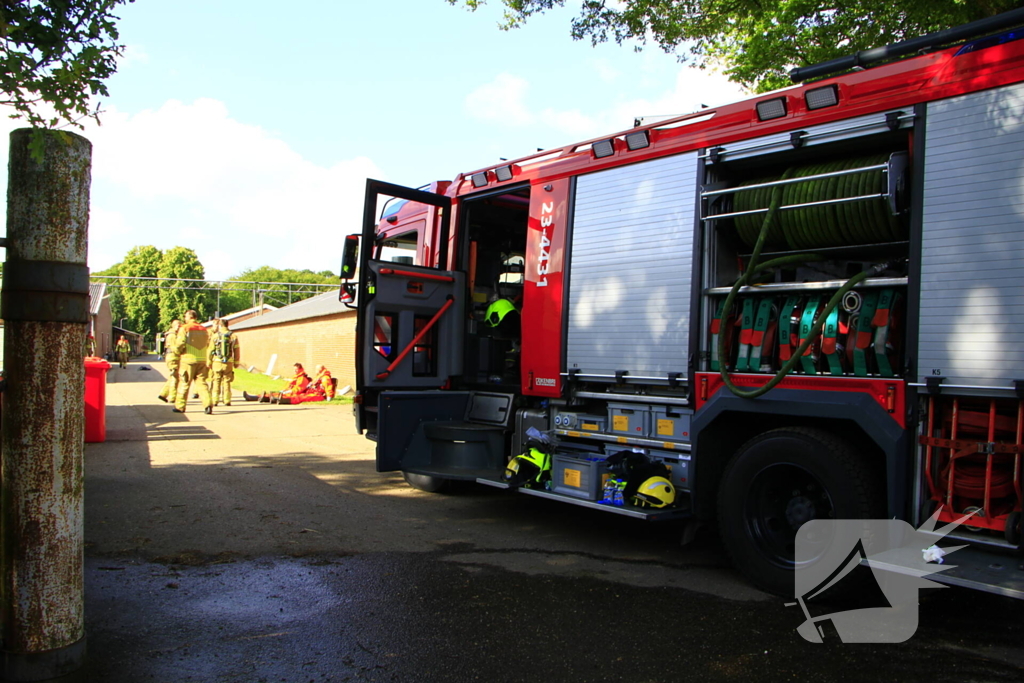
45	309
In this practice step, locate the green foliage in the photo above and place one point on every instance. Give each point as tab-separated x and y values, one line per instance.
757	42
55	56
150	306
141	297
178	297
239	297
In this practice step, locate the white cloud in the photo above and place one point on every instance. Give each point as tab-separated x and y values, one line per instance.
132	54
692	88
190	175
503	99
605	71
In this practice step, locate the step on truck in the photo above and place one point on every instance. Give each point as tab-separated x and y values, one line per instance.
804	305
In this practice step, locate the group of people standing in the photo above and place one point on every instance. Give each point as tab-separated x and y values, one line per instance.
207	358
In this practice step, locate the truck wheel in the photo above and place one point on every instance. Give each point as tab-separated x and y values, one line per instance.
425	482
1013	529
778	481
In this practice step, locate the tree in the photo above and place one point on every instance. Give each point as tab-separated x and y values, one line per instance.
56	55
178	297
238	298
757	42
141	298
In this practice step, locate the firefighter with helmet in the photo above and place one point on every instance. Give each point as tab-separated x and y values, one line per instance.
192	345
224	357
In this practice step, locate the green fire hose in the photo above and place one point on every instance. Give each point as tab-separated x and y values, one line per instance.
754	268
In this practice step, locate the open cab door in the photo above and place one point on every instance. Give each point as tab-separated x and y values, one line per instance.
411	327
411	314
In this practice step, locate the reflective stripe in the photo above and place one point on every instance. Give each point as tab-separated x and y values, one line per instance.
197	339
786	336
882	324
867	313
829	345
759	350
746	333
806	323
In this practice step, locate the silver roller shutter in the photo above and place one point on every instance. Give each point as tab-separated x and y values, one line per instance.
630	268
972	308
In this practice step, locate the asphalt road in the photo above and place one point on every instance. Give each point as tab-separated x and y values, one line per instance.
258	544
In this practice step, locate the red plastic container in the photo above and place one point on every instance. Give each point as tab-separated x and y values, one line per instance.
96	400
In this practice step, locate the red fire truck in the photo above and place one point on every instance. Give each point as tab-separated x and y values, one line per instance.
805	305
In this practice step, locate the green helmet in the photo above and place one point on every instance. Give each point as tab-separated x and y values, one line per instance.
528	467
497	311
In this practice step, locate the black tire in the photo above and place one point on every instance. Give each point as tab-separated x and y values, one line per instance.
778	481
1012	532
425	482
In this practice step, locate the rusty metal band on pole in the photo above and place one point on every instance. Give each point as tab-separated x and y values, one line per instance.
45	310
45	291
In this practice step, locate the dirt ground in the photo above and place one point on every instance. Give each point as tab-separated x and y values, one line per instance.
259	544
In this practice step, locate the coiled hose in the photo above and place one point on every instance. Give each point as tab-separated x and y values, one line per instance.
754	268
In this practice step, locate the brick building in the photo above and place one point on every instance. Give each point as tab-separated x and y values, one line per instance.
100	323
319	330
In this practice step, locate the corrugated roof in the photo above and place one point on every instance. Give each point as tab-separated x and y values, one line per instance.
314	307
97	290
239	314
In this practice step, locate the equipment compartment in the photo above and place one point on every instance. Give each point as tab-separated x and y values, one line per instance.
629	418
670	423
578	477
834	254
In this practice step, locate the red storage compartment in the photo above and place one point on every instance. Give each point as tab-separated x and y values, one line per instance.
96	400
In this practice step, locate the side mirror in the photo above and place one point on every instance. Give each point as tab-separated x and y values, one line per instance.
347	295
349	257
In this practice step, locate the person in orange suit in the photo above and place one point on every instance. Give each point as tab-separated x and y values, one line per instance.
297	386
320	389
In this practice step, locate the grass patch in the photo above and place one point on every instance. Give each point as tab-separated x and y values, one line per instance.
256	382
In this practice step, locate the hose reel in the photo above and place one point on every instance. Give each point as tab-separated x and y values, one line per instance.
820	221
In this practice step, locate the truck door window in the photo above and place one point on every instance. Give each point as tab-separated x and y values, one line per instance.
401	248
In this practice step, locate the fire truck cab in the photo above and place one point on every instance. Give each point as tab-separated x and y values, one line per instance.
801	306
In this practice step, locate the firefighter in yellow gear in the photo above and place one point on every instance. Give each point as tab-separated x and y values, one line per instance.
171	358
224	355
192	344
124	350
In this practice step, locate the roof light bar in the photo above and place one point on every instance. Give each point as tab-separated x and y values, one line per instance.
503	173
603	148
771	109
819	98
638	140
479	179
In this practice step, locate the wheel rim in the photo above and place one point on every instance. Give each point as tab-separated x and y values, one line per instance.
782	498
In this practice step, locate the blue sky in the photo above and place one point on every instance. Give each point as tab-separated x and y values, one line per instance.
246	130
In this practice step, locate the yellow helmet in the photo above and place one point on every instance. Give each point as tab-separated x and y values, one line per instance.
656	492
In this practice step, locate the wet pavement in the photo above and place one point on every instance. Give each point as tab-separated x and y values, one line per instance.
258	544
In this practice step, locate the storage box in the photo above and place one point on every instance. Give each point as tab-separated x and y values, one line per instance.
578	477
670	423
679	463
581	421
630	419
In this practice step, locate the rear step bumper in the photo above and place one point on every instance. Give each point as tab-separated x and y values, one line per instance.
627	510
968	568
